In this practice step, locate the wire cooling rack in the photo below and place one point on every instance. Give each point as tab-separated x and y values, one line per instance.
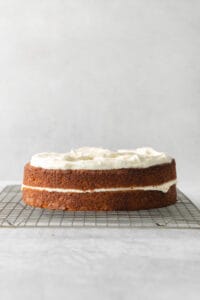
14	213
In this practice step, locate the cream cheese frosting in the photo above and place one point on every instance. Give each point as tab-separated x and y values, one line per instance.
164	187
89	158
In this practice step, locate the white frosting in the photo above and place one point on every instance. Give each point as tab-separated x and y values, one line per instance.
162	188
100	159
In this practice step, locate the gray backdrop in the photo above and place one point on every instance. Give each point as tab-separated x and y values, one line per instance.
116	74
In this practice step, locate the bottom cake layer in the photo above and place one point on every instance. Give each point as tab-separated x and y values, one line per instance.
103	201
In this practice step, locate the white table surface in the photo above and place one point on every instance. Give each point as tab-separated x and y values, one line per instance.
44	263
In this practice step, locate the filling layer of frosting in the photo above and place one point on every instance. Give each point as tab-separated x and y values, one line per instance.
161	187
100	159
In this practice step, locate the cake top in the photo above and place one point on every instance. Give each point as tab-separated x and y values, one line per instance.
89	158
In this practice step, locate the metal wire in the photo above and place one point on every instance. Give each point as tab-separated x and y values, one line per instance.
14	213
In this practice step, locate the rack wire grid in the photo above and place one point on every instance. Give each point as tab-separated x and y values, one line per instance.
14	213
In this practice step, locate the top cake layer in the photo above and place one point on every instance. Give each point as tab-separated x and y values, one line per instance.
100	159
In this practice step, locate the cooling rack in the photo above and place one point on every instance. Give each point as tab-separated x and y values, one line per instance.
14	213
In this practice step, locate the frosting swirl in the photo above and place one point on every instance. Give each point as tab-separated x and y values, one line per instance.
90	158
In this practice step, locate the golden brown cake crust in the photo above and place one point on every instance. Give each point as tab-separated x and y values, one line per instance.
92	179
104	201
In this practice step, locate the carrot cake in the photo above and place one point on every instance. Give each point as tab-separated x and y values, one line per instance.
100	179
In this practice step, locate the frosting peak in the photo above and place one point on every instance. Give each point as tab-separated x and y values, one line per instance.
100	159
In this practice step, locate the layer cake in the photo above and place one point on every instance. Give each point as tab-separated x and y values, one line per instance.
100	180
